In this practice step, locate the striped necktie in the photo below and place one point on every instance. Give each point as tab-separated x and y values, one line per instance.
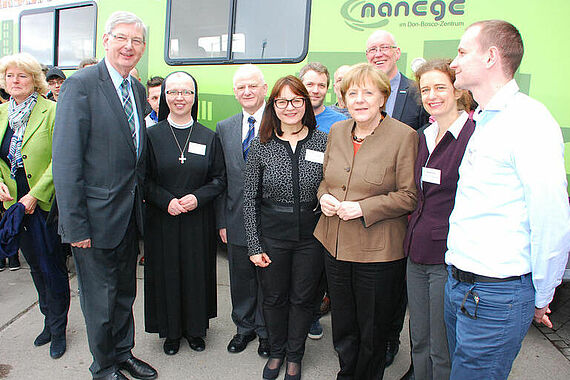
250	135
129	109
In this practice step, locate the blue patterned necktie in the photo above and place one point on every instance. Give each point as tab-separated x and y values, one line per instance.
129	109
250	135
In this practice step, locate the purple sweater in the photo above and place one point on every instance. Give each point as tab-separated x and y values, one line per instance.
426	238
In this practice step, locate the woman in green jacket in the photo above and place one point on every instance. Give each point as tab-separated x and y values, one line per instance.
26	129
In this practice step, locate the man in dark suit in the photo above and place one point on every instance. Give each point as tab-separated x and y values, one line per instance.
403	104
235	134
98	170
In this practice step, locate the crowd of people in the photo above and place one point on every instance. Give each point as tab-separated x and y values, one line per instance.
445	195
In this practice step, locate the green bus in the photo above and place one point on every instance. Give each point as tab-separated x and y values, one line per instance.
282	36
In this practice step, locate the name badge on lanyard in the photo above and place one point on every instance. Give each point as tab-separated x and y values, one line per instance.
431	175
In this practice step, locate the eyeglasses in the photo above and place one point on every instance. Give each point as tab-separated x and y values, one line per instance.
242	87
283	103
135	41
184	93
54	82
382	49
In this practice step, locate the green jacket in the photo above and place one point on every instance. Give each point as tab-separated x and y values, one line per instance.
36	153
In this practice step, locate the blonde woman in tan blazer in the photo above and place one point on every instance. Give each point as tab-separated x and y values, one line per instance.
366	195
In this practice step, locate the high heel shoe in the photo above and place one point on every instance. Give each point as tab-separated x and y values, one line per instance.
272	373
293	367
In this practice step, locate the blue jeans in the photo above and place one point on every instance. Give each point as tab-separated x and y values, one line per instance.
485	338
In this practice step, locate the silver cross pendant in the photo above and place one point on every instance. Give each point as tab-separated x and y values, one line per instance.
181	158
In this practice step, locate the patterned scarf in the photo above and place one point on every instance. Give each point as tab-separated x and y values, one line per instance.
18	116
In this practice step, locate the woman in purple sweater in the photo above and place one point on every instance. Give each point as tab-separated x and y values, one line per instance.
441	148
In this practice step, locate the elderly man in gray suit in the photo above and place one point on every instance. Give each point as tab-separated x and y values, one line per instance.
98	171
235	134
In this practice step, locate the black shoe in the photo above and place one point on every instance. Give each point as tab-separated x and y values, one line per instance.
138	369
14	262
410	374
272	373
2	264
264	349
295	368
57	347
171	346
239	342
196	343
113	376
43	338
392	347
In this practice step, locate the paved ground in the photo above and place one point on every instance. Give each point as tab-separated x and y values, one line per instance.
559	335
21	321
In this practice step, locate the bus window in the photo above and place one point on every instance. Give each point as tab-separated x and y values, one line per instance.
76	35
73	24
262	30
36	36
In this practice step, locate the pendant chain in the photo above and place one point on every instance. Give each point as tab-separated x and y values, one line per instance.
182	159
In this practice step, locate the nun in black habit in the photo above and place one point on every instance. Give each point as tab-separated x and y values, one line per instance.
185	174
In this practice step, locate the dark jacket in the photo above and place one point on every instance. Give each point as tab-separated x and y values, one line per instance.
426	238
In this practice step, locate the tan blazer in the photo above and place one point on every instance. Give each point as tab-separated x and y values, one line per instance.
380	177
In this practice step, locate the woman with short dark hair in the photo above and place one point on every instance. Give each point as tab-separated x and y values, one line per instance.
283	172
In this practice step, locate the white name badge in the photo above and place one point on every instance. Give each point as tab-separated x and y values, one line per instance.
431	175
314	156
197	148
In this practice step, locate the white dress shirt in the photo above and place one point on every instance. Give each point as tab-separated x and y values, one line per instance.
245	124
511	213
455	128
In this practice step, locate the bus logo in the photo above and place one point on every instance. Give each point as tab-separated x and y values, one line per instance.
360	15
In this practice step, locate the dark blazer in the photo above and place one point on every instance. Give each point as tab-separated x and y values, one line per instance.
229	206
381	178
97	174
426	238
408	107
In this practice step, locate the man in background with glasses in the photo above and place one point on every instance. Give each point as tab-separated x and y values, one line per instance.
404	103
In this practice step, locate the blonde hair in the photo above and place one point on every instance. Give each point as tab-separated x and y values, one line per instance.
365	72
29	64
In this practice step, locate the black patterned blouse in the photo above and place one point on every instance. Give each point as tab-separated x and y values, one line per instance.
280	192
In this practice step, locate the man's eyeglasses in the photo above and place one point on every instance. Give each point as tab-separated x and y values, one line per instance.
54	82
381	49
242	87
135	41
184	93
283	103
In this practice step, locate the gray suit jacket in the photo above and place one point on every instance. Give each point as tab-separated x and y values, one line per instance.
408	106
229	206
97	174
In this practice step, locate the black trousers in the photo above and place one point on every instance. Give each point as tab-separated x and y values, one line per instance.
107	289
363	299
50	277
247	309
399	316
289	285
